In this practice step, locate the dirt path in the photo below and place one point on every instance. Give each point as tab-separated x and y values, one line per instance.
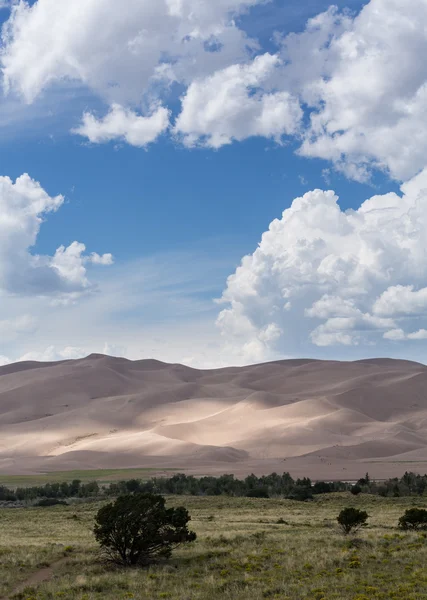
36	578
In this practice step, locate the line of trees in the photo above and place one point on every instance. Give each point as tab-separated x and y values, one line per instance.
274	485
60	491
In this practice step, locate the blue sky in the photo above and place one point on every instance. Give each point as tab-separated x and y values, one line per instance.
193	193
180	211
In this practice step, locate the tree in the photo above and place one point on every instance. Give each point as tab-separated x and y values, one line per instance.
133	486
351	519
301	493
137	528
322	487
413	518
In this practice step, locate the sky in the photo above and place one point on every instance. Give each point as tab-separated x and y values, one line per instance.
213	184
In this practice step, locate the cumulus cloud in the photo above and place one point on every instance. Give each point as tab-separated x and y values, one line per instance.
237	103
124	124
365	86
325	277
23	206
401	300
358	77
115	52
395	335
125	57
398	335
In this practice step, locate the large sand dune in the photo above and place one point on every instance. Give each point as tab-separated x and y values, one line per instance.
316	418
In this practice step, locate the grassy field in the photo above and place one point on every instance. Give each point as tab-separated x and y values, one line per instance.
101	475
242	553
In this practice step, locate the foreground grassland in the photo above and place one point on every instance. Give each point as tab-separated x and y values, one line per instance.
102	476
241	553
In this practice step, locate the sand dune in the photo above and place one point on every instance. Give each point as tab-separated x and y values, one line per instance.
316	418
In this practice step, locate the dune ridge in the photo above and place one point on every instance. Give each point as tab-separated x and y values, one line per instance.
321	418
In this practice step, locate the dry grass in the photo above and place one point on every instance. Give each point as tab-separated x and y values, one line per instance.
242	553
102	476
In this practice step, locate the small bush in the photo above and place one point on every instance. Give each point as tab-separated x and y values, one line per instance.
351	519
414	518
137	528
356	490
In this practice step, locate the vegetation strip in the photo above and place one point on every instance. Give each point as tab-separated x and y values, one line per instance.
273	485
337	546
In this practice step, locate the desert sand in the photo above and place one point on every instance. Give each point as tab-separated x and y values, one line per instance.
323	419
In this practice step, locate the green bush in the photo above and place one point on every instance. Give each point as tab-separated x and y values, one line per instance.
351	519
301	493
356	490
138	528
414	518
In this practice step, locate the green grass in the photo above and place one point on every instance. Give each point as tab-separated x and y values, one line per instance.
242	553
100	475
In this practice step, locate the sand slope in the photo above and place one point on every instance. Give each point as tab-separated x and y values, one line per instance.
320	418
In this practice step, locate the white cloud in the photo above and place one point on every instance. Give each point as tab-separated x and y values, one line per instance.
125	57
124	124
395	335
366	87
421	334
359	78
23	206
4	360
401	300
398	335
352	278
70	263
115	52
237	103
328	306
104	259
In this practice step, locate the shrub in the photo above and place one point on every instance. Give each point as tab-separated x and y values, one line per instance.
356	490
301	493
138	528
414	518
351	519
258	493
